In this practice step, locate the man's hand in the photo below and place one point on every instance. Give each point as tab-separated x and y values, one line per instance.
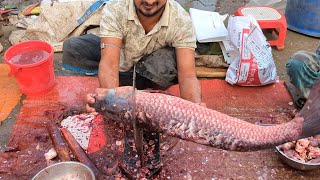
108	74
91	100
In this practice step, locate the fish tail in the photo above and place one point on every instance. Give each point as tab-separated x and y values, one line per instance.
311	112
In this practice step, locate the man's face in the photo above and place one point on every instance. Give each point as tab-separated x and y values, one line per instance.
149	8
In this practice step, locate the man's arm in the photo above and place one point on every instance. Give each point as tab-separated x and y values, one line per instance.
189	85
108	73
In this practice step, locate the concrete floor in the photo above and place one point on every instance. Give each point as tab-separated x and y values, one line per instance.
294	42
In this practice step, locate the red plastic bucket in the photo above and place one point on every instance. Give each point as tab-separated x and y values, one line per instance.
31	63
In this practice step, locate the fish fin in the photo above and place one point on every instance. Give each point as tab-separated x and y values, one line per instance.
158	91
311	112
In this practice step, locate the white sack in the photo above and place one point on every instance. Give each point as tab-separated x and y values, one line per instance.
255	65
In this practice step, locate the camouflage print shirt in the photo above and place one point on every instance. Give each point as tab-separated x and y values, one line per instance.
119	20
304	70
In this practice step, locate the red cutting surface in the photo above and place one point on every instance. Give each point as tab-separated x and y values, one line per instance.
267	104
243	102
240	101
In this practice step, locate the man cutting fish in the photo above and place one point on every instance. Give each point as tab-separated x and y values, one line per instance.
156	35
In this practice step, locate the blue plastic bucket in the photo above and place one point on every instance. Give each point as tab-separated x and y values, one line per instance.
303	16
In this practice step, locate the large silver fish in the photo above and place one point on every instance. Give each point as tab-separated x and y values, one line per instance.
186	120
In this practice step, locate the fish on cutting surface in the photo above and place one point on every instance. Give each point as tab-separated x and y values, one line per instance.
189	121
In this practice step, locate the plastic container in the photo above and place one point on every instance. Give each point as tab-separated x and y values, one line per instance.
34	77
303	16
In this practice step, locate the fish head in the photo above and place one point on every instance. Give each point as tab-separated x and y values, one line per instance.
116	104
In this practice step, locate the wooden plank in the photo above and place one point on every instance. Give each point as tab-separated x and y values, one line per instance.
79	153
58	142
210	72
211	61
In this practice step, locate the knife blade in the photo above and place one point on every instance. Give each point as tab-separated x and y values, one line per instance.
137	131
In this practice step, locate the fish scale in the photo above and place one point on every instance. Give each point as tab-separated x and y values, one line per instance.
189	121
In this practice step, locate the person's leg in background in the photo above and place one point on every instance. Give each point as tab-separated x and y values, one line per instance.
156	71
82	54
160	68
303	69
